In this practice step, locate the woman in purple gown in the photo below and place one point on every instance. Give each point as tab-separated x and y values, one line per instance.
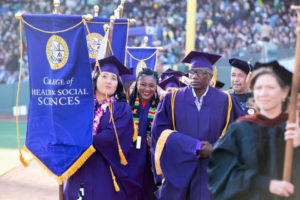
143	102
105	174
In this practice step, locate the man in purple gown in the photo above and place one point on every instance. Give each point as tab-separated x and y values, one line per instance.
183	144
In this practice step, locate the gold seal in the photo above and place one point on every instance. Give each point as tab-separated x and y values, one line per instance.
57	52
139	67
94	41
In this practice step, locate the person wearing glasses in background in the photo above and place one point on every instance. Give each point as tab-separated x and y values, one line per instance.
182	144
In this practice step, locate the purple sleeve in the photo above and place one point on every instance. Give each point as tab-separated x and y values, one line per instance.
105	141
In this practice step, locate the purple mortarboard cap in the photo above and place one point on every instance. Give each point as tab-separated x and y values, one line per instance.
172	81
169	72
200	59
113	65
284	74
242	65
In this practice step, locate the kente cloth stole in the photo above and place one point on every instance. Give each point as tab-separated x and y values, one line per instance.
135	113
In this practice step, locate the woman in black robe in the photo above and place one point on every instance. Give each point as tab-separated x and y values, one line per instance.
247	163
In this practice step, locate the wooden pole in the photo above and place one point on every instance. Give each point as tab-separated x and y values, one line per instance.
111	27
56	4
61	191
288	159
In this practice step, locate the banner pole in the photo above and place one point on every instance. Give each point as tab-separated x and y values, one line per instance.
289	149
60	191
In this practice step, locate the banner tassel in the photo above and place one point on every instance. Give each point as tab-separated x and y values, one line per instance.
22	160
122	157
116	186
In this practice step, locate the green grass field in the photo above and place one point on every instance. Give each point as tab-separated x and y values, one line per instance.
9	156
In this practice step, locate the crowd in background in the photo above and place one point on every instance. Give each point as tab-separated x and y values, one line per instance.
230	28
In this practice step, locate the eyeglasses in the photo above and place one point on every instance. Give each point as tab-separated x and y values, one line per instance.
200	72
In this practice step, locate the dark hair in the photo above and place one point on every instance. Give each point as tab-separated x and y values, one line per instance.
147	72
119	93
263	71
127	85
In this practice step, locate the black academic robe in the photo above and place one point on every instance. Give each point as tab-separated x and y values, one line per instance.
249	155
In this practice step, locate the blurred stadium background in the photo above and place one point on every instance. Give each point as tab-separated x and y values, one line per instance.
227	27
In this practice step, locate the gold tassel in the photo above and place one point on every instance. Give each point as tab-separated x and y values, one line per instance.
22	160
215	77
122	157
116	186
135	132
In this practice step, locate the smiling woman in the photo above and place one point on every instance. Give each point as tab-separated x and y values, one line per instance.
143	102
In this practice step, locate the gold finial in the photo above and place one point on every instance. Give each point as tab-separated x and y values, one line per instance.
116	13
56	4
120	8
112	19
106	27
18	15
96	10
145	41
88	17
132	21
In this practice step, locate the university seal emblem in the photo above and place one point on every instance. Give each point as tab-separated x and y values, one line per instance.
139	67
94	41
57	52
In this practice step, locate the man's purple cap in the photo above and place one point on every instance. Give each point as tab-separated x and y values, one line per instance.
200	59
113	65
172	81
169	72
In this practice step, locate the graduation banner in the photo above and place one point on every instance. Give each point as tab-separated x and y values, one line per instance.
139	58
119	37
60	117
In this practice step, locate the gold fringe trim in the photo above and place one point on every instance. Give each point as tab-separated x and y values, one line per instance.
72	169
135	132
159	148
116	186
228	114
21	158
173	108
214	78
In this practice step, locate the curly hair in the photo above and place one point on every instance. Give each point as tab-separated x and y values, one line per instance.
147	72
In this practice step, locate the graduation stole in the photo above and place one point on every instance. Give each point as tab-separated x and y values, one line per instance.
136	119
99	111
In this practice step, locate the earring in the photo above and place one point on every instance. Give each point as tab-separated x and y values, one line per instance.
283	100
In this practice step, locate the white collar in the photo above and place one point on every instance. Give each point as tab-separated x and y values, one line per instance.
194	93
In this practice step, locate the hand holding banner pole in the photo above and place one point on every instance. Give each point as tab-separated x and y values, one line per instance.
288	160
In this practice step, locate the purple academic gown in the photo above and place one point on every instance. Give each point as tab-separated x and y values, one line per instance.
140	161
95	176
185	174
